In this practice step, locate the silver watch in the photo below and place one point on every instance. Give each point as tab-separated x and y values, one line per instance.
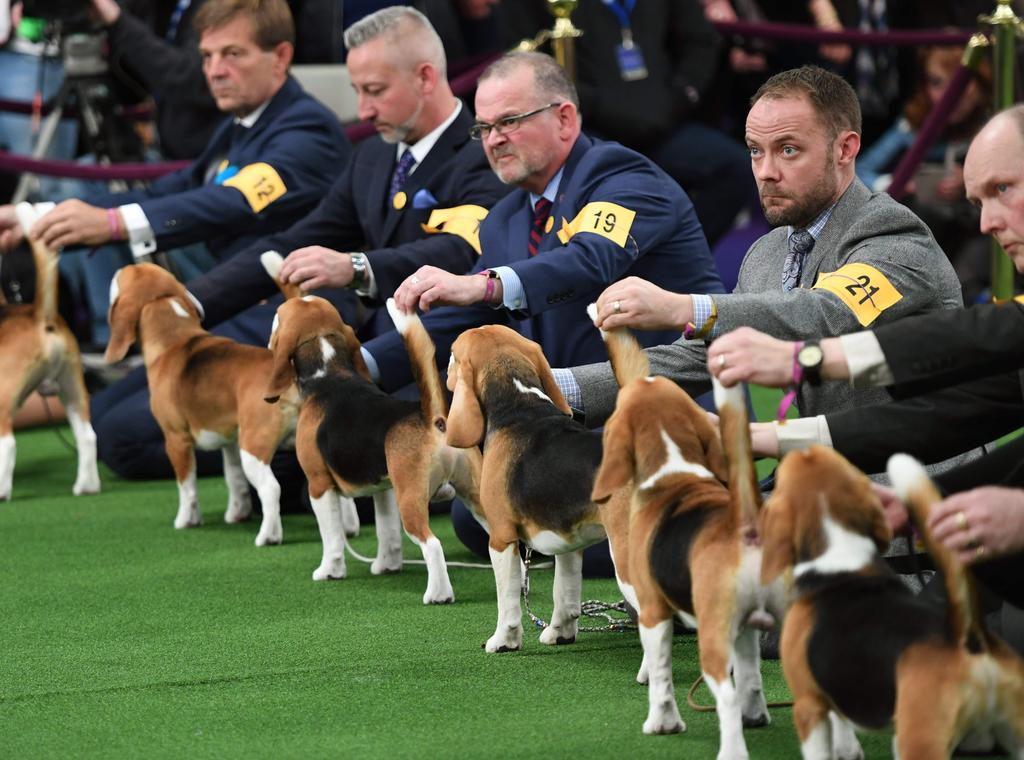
359	270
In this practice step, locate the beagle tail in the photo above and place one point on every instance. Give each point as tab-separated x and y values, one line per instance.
418	343
628	360
45	301
918	492
272	261
735	427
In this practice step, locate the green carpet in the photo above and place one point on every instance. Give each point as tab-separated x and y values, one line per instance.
123	637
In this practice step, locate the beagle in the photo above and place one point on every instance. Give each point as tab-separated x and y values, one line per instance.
36	347
538	470
352	439
694	543
858	648
205	392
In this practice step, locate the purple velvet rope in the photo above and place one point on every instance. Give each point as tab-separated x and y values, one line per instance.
139	112
801	33
929	132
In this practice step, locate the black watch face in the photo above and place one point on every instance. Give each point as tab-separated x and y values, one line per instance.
810	356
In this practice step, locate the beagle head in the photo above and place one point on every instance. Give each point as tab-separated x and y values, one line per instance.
484	355
823	515
657	432
134	287
298	321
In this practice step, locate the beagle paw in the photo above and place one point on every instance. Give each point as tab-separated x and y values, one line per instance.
331	570
757	721
510	640
439	592
270	533
188	518
238	511
559	634
642	675
664	721
386	564
86	483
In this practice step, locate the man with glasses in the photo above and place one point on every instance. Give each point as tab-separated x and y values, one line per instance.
585	214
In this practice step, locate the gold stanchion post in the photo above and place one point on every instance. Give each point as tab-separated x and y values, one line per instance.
562	37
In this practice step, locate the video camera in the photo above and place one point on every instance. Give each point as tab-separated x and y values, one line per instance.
73	15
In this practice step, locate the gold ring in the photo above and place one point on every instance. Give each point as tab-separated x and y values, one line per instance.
961	521
617	306
979	552
721	361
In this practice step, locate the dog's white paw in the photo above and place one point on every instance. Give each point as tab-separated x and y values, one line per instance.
559	634
86	483
270	532
508	640
439	592
239	510
642	675
188	518
385	564
665	720
755	710
330	570
739	753
349	517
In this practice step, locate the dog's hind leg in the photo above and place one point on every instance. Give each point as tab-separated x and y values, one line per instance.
7	456
257	470
412	505
844	740
327	509
388	523
71	389
747	675
714	639
813	727
656	638
349	517
508	578
567	588
239	506
183	460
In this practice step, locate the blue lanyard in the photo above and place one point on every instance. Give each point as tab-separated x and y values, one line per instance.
172	25
622	12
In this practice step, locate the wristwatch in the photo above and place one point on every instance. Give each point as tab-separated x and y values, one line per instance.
809	359
359	271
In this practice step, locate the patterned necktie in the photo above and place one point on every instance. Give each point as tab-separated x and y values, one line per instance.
541	212
405	164
800	244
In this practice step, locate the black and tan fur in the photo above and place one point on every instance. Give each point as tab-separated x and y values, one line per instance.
694	544
353	439
858	647
38	350
205	391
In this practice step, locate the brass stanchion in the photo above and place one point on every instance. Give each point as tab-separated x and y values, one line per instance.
562	37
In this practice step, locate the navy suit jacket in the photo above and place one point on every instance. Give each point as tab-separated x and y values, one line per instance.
296	135
356	215
665	245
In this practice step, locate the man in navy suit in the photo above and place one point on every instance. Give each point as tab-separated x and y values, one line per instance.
586	213
412	195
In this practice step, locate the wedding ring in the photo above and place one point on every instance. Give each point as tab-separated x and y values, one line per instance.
617	306
721	361
961	521
979	552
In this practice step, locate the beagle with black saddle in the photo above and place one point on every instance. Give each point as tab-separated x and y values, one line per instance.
37	349
205	392
858	647
352	439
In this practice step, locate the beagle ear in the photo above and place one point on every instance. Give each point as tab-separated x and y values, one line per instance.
777	538
547	380
282	375
617	462
123	318
355	353
466	418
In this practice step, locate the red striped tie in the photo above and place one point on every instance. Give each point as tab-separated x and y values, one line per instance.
541	211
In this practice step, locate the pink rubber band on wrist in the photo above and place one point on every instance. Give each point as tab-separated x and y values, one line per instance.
114	223
794	384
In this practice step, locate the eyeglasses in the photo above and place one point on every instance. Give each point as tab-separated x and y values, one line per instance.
505	125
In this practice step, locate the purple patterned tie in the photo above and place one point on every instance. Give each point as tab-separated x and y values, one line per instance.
541	212
405	164
800	244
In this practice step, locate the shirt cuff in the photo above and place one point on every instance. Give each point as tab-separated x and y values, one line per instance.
140	234
371	364
570	389
702	308
512	294
865	360
802	432
369	289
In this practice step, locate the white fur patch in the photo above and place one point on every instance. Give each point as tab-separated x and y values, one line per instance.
207	440
272	261
26	214
402	321
549	542
309	298
906	474
115	291
273	329
727	396
7	456
592	313
847	551
199	306
675	464
535	391
178	309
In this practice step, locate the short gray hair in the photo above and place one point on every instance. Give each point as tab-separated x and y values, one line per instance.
551	80
1015	114
394	22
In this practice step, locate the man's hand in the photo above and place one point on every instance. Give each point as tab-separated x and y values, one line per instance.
981	523
895	510
72	223
105	11
642	305
315	267
748	355
11	233
431	287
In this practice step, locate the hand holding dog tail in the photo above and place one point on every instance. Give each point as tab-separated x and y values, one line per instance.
418	343
46	261
919	493
272	261
628	360
743	485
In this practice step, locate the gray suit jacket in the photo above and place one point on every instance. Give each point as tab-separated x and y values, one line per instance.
866	228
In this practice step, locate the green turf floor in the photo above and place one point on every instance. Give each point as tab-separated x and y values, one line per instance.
123	637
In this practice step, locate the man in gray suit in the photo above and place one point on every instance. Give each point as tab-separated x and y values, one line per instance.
840	258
